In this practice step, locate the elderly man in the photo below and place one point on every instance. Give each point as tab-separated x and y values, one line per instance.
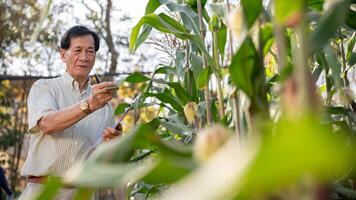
67	115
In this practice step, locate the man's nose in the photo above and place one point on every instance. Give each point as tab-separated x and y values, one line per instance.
84	56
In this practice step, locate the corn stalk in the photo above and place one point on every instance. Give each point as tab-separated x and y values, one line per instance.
218	78
206	88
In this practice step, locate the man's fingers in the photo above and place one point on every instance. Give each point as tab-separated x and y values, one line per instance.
113	131
110	133
104	99
101	87
104	96
105	133
100	95
108	98
101	91
105	84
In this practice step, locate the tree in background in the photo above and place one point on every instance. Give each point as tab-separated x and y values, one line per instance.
7	136
102	23
13	123
17	19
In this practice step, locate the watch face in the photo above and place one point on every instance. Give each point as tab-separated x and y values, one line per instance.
84	106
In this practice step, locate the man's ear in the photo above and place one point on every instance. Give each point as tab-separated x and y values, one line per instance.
63	55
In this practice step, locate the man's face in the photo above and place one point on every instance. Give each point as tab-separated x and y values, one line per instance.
80	56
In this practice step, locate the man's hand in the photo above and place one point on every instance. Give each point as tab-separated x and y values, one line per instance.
100	96
110	133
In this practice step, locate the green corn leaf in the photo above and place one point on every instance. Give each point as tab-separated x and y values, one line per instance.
152	6
243	65
196	39
190	85
218	9
181	93
165	25
121	108
317	72
136	77
172	22
168	70
333	66
344	191
197	66
109	174
203	78
108	166
303	140
50	189
351	18
267	37
222	35
329	24
252	10
316	4
169	171
189	17
288	12
166	97
141	38
179	129
44	13
83	194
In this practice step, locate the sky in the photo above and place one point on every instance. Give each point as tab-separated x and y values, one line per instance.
136	8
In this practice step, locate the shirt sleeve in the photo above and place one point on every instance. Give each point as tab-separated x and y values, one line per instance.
40	101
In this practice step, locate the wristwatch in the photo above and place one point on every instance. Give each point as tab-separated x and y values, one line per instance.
84	106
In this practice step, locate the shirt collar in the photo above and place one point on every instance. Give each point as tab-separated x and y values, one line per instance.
74	85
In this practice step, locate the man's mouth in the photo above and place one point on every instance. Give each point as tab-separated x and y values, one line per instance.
83	66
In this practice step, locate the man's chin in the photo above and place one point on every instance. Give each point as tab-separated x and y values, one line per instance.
82	73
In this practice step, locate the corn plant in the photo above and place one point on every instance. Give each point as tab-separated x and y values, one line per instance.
256	104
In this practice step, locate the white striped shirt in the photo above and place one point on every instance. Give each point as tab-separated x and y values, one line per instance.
53	154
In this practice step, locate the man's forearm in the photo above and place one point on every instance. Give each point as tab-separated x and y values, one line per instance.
59	120
67	117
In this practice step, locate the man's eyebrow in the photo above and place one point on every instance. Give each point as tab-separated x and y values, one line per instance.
80	47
